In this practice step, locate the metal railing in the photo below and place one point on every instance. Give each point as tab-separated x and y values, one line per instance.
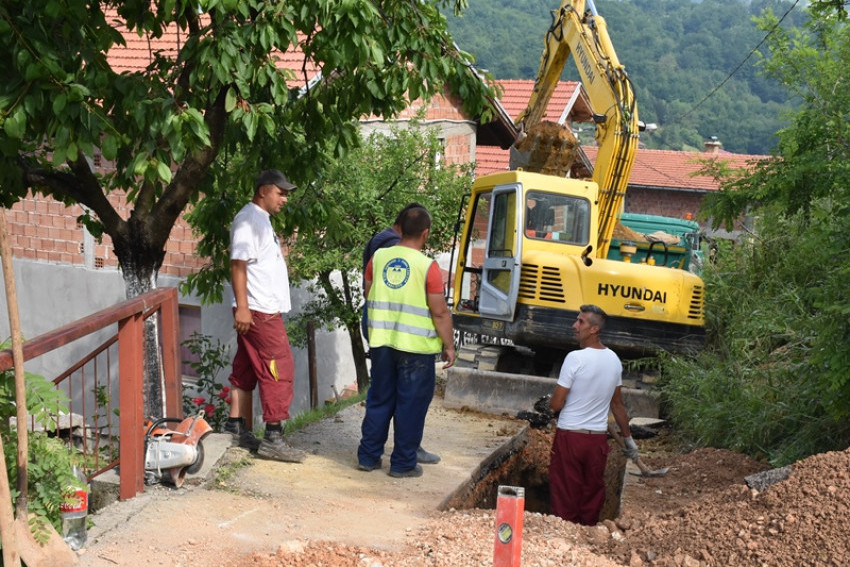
91	382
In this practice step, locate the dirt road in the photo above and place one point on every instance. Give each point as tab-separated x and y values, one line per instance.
701	514
269	504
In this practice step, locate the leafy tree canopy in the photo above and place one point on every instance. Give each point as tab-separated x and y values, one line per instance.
777	380
172	129
211	108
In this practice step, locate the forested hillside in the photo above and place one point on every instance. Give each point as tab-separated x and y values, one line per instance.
676	52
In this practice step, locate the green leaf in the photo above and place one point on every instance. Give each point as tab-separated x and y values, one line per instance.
230	100
163	171
109	146
15	124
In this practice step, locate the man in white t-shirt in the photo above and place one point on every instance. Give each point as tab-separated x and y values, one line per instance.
263	359
588	388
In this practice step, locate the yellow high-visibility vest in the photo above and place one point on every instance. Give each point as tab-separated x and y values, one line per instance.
397	304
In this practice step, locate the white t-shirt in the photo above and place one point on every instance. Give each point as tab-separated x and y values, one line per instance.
253	240
592	375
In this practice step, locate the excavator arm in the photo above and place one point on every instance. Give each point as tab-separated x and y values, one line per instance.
578	30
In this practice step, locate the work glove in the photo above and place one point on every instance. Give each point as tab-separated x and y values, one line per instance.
630	449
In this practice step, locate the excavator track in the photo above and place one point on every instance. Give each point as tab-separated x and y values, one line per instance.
509	359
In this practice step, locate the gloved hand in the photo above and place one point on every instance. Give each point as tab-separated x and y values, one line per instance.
630	449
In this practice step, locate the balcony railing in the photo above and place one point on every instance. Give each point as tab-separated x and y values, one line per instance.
108	437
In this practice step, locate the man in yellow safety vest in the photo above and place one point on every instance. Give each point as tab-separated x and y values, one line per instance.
409	323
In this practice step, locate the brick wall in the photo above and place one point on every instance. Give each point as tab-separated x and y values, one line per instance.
45	230
676	204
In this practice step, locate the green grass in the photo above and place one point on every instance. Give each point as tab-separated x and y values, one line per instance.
322	412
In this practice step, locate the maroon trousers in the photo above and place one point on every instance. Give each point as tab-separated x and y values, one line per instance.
263	358
577	476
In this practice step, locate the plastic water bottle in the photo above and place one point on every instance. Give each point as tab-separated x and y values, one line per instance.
74	509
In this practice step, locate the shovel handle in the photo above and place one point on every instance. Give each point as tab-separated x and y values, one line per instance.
622	444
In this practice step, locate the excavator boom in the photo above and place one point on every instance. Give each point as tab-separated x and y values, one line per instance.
578	30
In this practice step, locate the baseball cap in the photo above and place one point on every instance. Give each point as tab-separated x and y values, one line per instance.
274	177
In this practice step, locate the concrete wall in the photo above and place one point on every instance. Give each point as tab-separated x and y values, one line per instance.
52	295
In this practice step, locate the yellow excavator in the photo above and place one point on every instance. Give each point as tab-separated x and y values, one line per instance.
535	241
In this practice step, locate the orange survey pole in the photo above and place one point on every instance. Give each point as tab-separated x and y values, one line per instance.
510	508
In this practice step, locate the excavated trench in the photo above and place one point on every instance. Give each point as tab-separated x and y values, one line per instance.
524	462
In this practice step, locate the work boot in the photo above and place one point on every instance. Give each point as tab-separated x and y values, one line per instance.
241	435
409	473
369	467
423	457
275	447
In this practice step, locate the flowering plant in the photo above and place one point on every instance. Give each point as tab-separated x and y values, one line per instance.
208	394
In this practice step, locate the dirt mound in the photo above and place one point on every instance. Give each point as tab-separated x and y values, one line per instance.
548	148
796	522
623	232
700	514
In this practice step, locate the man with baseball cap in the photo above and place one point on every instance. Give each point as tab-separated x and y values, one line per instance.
263	359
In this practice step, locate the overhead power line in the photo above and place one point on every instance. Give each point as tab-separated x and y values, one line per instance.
736	69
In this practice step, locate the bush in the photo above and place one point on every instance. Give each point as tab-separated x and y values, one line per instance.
208	394
50	462
773	382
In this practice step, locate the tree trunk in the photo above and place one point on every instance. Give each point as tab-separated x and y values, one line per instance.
351	322
359	354
140	260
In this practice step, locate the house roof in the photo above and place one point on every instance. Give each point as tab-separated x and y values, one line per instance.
569	102
669	169
654	169
138	52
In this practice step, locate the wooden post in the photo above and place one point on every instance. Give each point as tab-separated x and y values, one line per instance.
131	406
311	364
170	325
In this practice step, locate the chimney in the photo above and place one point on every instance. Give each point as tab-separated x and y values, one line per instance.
713	145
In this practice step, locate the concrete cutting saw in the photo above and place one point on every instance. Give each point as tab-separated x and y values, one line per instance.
172	453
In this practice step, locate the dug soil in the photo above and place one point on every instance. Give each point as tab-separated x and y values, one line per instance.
326	513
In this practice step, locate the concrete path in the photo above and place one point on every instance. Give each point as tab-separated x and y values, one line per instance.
229	510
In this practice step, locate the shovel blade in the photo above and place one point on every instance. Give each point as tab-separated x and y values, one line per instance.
646	473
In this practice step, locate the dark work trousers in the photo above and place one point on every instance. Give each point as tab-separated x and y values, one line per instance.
577	476
401	390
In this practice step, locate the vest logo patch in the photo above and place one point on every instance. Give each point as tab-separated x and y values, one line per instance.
396	273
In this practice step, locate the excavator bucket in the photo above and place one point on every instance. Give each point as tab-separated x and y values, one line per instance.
547	147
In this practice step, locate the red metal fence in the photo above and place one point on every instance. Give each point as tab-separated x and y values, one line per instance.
91	381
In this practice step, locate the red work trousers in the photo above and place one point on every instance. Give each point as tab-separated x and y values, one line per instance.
264	358
577	476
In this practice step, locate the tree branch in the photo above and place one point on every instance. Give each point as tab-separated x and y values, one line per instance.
79	186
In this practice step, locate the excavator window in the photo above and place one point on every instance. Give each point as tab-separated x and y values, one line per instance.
562	218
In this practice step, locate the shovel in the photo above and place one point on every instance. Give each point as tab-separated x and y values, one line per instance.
55	552
644	470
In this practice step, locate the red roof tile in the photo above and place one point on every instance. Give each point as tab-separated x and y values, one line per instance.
653	168
674	169
139	51
517	92
490	159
